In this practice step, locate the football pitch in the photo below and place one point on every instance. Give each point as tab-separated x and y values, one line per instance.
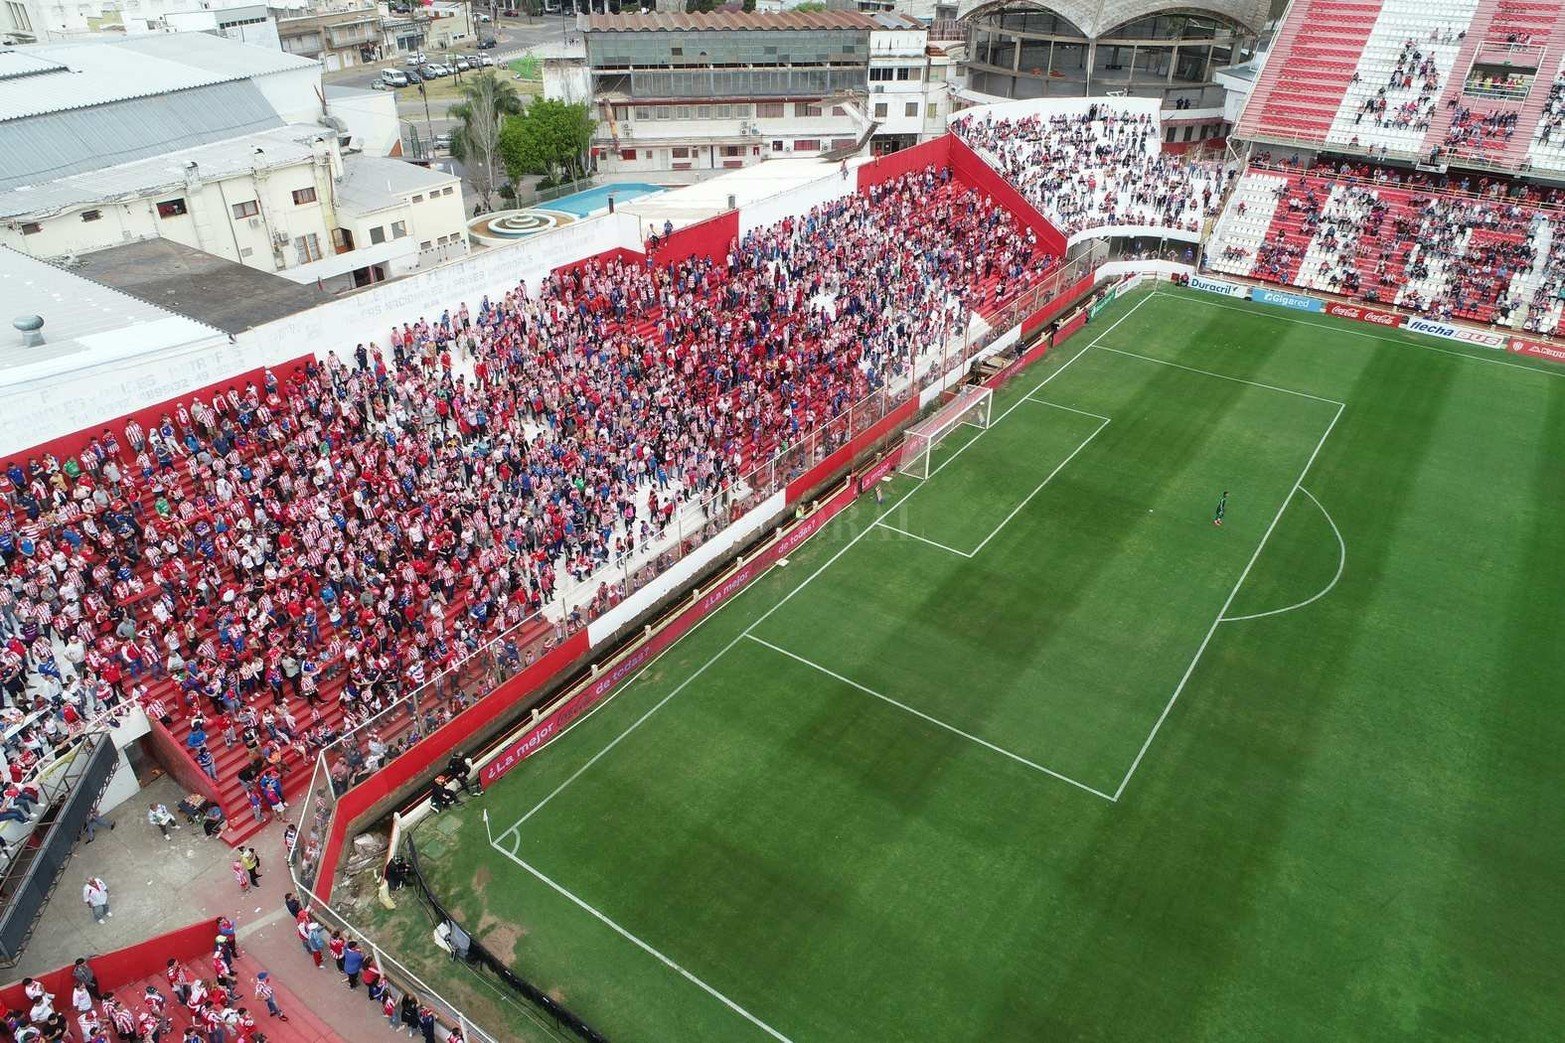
1034	750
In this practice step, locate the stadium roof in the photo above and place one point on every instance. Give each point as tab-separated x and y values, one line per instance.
738	20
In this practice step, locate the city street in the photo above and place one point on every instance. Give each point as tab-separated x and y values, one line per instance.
514	37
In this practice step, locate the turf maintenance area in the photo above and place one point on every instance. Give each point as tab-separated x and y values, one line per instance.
1035	750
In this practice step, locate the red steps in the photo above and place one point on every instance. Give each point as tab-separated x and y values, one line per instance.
1300	89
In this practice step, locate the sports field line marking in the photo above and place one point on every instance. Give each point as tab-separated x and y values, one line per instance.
1540	370
648	949
1189	670
1060	467
937	722
921	539
1222	376
1342	560
516	826
1068	409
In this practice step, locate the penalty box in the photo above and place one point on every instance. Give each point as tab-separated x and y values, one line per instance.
1047	591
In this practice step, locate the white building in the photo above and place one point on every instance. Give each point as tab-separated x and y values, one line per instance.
218	146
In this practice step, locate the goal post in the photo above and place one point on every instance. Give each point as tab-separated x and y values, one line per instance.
970	406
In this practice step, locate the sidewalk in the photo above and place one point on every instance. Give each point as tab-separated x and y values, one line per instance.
157	885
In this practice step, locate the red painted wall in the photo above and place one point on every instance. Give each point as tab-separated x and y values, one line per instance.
1037	319
177	758
121	966
972	169
896	164
437	746
709	238
70	445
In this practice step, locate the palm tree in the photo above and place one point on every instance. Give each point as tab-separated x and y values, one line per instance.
487	101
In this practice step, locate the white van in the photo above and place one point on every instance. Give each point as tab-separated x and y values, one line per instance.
394	77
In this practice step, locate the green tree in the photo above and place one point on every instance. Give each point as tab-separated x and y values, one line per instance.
487	101
549	137
748	5
811	7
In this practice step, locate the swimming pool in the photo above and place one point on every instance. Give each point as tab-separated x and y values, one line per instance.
594	199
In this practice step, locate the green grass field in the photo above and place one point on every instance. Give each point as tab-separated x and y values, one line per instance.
1036	751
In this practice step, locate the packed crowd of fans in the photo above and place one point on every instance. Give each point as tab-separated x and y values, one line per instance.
1099	168
380	518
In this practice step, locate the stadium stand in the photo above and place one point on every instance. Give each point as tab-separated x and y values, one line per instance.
1442	253
266	570
1445	82
1098	166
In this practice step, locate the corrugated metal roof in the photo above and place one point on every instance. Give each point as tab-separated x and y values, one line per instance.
65	143
15	63
739	20
217	54
284	146
101	72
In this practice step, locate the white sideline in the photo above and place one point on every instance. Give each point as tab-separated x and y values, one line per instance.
922	539
644	947
1018	758
1068	409
1342	561
1279	317
1189	670
1223	376
1060	467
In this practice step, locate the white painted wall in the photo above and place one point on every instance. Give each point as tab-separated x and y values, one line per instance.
371	117
209	223
795	201
368	315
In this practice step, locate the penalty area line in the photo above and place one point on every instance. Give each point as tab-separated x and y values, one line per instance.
1018	758
667	961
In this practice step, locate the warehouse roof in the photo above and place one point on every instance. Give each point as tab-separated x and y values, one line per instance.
740	20
58	77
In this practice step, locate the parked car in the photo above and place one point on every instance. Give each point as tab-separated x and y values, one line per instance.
413	76
429	72
483	60
485	45
462	64
394	77
415	59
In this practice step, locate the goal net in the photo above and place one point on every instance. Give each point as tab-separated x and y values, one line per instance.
970	406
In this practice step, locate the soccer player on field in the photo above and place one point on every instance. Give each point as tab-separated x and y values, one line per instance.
1222	509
